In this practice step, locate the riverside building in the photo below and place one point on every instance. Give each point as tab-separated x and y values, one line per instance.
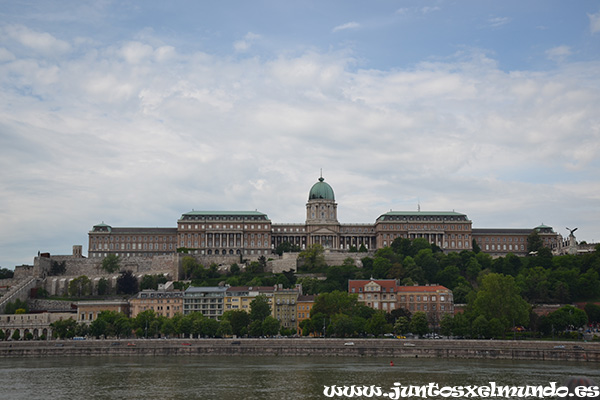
387	295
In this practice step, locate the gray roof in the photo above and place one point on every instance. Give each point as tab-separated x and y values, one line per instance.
144	231
501	231
204	214
206	289
393	215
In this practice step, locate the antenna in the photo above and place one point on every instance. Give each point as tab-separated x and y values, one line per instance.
321	172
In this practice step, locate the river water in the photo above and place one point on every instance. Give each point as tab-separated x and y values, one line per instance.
241	377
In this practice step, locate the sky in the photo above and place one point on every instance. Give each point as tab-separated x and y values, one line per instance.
132	113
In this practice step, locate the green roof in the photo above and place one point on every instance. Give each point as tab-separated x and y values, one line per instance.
101	227
321	190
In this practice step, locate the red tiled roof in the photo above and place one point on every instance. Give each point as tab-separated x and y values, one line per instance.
391	283
421	288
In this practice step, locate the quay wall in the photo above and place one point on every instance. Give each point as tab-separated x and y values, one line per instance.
390	348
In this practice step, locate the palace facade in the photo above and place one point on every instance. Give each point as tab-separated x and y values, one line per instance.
251	234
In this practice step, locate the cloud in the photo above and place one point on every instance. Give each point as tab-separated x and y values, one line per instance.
346	26
245	44
137	132
427	10
559	53
41	42
594	22
498	21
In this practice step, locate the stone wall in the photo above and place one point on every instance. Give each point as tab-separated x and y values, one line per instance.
336	258
389	348
288	261
23	272
39	305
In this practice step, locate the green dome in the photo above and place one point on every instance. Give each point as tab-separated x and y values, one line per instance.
321	190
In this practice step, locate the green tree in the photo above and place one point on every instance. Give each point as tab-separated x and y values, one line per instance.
476	248
377	325
419	324
255	328
127	283
111	323
534	242
188	265
447	324
402	325
64	328
593	312
313	258
80	286
103	287
335	302
209	327
568	318
481	327
341	325
16	335
225	328
499	297
152	281
239	321
270	326
260	308
12	307
6	273
495	328
234	269
286	247
111	263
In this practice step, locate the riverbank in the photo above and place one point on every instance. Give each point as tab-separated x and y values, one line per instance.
392	348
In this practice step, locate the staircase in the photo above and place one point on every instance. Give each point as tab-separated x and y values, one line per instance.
19	291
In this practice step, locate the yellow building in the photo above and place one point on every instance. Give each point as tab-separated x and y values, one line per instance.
164	303
303	306
240	297
88	311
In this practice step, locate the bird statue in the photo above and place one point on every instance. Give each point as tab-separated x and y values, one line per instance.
571	231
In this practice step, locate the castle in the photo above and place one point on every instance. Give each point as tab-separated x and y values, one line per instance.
251	234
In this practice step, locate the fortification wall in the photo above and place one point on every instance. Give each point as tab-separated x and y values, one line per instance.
37	305
336	258
288	261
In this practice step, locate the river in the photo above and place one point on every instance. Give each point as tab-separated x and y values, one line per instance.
245	377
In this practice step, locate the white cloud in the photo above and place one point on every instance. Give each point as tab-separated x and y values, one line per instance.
136	52
6	55
41	42
559	53
594	22
137	133
346	26
427	10
245	44
498	21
